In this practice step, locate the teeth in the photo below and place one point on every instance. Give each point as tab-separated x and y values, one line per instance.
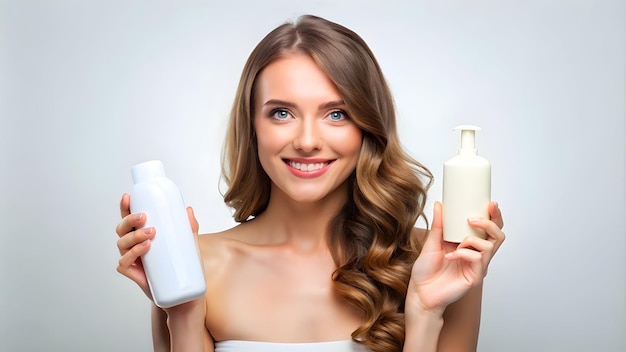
306	167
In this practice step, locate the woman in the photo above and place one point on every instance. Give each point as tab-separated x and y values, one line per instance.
326	256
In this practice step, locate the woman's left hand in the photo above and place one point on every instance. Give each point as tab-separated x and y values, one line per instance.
445	271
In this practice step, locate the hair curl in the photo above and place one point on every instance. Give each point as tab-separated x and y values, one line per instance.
371	238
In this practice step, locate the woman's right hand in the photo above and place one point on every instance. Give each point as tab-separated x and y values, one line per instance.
184	329
133	242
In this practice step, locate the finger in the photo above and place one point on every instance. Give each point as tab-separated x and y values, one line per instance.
495	214
129	223
473	258
125	205
477	244
134	238
486	248
130	257
435	235
128	266
494	234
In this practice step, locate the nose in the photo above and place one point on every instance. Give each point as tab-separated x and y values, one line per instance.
308	138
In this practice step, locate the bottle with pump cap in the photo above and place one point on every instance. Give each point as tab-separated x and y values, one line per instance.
466	189
172	264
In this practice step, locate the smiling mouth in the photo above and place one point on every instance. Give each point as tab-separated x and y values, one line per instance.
307	167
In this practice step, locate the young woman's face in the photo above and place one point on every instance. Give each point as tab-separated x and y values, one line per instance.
307	143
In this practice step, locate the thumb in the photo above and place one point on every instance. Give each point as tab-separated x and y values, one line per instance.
194	229
435	234
192	220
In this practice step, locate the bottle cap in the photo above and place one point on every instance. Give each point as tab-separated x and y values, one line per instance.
146	170
467	139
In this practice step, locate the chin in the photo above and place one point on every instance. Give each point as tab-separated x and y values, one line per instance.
307	198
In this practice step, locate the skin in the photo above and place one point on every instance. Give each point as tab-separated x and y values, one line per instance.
269	279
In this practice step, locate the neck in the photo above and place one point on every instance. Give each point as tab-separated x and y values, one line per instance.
303	226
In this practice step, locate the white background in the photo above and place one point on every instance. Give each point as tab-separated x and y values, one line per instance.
89	88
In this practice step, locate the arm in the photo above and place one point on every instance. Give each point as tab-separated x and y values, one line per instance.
180	328
182	332
462	323
187	331
462	318
456	330
446	287
160	332
422	328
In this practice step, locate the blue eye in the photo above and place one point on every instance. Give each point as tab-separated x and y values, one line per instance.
280	114
337	115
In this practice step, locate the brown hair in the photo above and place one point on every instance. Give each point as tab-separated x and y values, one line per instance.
371	237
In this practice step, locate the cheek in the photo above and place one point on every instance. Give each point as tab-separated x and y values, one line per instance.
265	150
351	140
264	153
269	142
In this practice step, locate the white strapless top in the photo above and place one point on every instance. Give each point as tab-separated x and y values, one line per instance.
254	346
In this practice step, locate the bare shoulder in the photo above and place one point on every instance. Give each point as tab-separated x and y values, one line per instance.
231	269
421	234
217	249
222	253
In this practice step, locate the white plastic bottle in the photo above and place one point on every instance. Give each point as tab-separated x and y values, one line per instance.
172	264
466	189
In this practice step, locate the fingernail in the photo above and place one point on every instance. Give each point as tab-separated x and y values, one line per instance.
497	205
138	216
147	230
145	243
474	220
448	255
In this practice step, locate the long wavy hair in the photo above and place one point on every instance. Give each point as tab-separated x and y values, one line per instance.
371	238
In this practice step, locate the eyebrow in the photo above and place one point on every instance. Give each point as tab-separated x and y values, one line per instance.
330	104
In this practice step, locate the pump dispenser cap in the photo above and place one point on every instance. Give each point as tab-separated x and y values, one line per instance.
147	170
467	139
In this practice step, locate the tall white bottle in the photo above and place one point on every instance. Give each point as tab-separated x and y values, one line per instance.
172	264
466	189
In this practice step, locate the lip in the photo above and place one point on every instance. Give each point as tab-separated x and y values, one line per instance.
308	174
